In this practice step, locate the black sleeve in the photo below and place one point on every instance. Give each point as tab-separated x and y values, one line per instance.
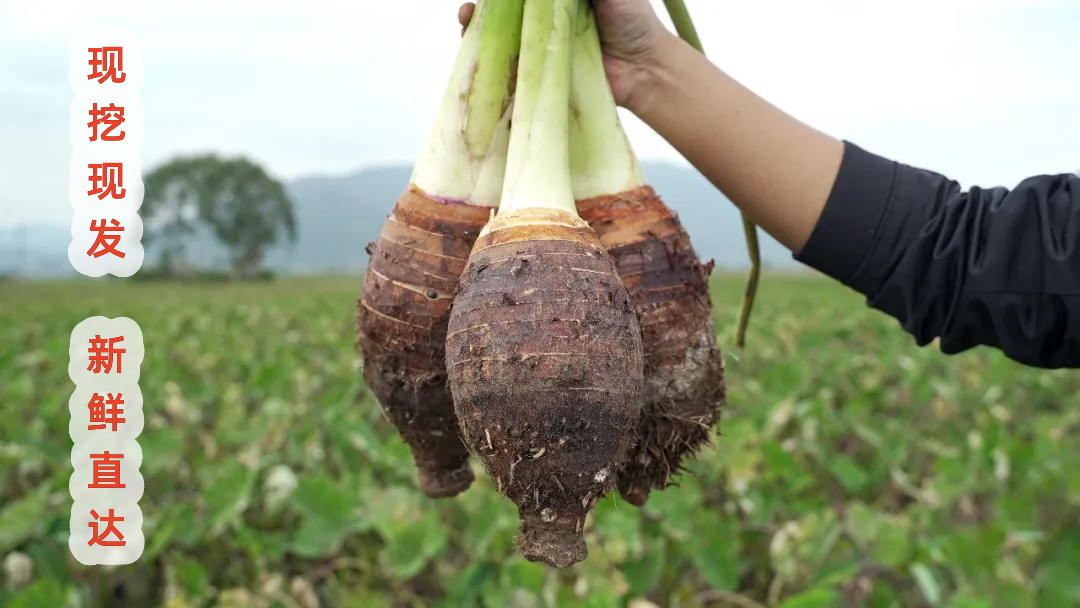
991	267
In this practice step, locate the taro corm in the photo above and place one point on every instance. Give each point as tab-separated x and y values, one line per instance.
415	264
668	286
544	351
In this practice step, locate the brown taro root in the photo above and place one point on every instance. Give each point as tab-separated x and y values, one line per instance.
543	351
545	363
413	273
684	370
684	374
411	280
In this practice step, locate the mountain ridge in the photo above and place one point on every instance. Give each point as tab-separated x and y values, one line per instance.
337	215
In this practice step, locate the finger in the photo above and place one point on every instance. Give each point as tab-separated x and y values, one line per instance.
465	13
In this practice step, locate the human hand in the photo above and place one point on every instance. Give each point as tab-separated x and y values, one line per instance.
630	32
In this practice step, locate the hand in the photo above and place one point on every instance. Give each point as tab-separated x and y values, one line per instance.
629	35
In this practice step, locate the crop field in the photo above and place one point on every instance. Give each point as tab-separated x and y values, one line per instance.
854	469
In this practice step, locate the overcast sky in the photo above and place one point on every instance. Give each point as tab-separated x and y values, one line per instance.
985	91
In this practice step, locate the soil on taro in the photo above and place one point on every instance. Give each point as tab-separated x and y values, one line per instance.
684	370
402	315
540	396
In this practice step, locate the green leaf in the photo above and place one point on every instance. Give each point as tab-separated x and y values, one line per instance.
619	527
967	601
176	525
365	598
409	525
522	574
272	545
159	538
781	464
228	495
465	586
600	599
188	530
927	583
162	448
814	598
893	546
849	474
882	595
317	538
714	550
491	523
863	524
642	575
508	596
50	558
21	519
389	507
838	573
45	592
1016	595
1059	586
676	506
975	551
410	543
320	497
191	576
364	438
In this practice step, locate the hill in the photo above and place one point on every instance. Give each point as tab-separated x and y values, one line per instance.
338	215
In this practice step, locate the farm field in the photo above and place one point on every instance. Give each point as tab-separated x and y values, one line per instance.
855	469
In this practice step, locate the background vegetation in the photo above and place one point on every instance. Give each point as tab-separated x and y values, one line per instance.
855	469
246	211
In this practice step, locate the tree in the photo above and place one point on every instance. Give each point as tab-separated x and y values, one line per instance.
243	206
170	207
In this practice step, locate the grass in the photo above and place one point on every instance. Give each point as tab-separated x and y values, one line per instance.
854	469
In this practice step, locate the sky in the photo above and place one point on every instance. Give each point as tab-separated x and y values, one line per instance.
984	91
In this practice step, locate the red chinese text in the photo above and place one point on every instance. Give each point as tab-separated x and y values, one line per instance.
109	528
106	470
111	116
101	354
107	62
98	417
107	179
108	242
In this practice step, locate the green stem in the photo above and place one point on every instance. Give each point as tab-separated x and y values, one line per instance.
602	161
465	155
680	16
538	164
499	23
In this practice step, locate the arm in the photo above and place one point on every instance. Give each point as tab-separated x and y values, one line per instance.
989	267
983	267
777	170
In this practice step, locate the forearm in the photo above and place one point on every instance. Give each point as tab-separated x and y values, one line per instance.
777	170
984	267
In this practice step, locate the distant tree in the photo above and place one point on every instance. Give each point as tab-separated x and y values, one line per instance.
170	207
246	209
